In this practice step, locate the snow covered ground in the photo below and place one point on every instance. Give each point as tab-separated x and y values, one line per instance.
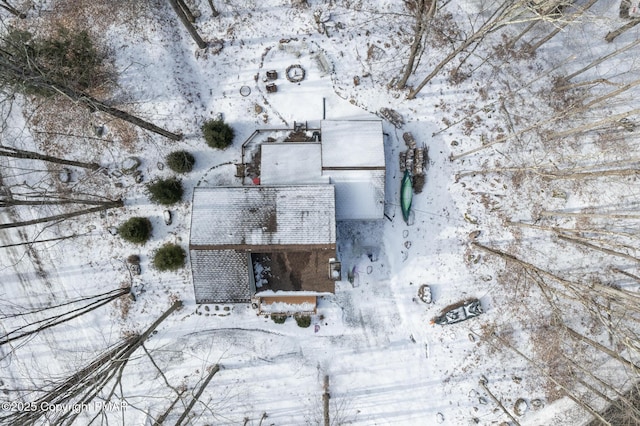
386	364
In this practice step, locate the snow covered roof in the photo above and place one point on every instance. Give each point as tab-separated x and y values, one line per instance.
241	217
291	162
350	156
352	144
288	303
220	276
359	194
353	157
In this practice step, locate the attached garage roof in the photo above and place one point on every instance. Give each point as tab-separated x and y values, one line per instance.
359	194
352	144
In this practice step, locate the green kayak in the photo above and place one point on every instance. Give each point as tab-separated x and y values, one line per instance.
406	195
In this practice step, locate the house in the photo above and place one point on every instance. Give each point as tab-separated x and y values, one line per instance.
246	239
273	242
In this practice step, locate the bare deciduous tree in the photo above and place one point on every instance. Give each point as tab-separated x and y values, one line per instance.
23	73
8	7
423	12
603	59
214	11
36	326
504	14
105	205
212	372
562	25
626	27
89	382
184	18
6	151
185	9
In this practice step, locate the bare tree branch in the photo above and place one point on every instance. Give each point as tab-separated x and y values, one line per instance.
212	372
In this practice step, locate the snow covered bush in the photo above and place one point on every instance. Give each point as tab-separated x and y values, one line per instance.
181	161
278	318
169	257
165	191
303	321
136	230
217	133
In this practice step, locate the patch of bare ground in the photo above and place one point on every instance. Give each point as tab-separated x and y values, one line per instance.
619	413
519	287
442	31
508	333
123	303
525	324
617	143
124	133
548	352
62	127
519	295
97	16
492	203
506	50
564	95
456	76
66	16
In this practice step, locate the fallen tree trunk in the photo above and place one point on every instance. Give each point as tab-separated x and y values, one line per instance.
612	35
187	24
106	206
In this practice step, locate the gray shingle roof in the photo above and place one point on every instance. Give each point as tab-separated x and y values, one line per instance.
220	276
263	215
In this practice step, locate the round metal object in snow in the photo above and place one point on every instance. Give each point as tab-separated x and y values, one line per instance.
295	73
245	91
424	293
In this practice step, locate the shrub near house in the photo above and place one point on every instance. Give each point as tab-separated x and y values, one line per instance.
278	318
303	321
181	161
136	230
165	191
217	133
169	257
